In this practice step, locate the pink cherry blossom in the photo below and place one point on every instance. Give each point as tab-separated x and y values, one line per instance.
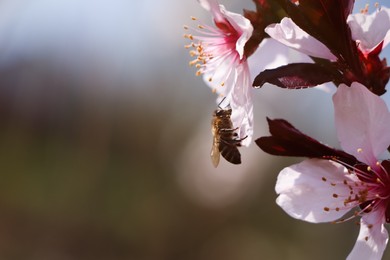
322	190
370	30
220	59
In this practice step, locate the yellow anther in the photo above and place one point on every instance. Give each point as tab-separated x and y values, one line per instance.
359	150
192	63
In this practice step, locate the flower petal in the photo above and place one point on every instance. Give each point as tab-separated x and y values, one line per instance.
370	30
281	55
314	190
242	26
242	105
372	239
362	122
288	33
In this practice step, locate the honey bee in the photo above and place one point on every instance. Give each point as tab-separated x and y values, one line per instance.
225	139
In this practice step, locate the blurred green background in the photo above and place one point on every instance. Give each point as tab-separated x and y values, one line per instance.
105	141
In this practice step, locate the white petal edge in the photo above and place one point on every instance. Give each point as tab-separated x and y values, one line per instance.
372	239
362	122
290	34
306	190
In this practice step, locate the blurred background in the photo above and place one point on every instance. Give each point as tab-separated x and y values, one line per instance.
105	143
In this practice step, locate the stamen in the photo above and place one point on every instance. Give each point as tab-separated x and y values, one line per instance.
365	9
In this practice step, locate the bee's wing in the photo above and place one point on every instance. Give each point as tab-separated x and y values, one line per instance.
215	153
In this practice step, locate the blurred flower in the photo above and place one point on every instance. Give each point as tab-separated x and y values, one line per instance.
221	61
334	182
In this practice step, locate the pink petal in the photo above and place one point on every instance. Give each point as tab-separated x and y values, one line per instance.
281	55
288	33
372	239
242	25
362	122
370	30
314	190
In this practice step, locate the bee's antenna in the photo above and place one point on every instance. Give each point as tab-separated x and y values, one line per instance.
219	104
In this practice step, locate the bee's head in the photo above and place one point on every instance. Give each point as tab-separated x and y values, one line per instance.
223	112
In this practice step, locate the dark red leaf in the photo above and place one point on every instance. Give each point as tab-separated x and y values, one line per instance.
286	140
296	75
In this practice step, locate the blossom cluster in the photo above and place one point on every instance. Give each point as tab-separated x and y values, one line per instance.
335	46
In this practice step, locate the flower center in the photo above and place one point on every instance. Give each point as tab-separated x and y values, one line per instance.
213	48
374	191
364	186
